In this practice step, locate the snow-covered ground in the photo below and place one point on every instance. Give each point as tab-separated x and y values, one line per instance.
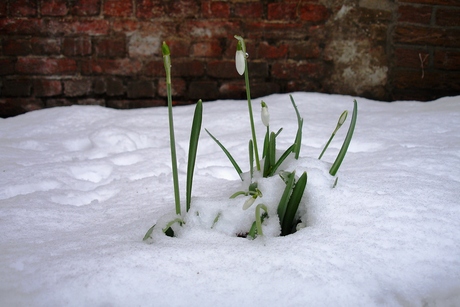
80	186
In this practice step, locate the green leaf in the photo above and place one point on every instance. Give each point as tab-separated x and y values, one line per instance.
343	151
229	156
298	137
194	138
340	122
251	160
148	234
281	160
286	195
293	205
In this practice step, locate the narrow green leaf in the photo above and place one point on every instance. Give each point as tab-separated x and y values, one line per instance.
229	156
286	195
293	205
194	138
266	143
281	160
251	160
148	234
340	122
298	137
343	151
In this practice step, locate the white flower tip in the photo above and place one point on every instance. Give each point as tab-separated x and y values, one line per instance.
265	115
239	62
248	203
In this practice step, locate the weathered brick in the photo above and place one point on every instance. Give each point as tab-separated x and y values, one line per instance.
54	7
122	67
261	30
260	89
411	57
179	47
125	26
16	46
433	2
206	90
74	88
45	66
143	44
233	90
76	46
146	9
23	8
258	69
449	60
313	12
141	89
47	88
213	9
15	106
272	52
110	47
419	35
289	70
222	69
206	49
155	68
178	87
187	68
303	86
85	7
7	66
282	11
304	50
29	26
17	87
58	102
118	8
415	14
252	10
115	87
448	17
45	46
57	27
184	9
209	29
91	27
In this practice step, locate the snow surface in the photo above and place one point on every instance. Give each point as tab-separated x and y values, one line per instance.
81	185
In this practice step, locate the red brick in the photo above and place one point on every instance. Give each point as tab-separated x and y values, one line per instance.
47	88
134	104
178	87
46	66
147	9
15	106
415	14
74	88
115	87
418	35
16	46
122	67
249	10
260	89
272	52
274	30
209	29
258	69
212	9
222	69
448	17
91	27
125	25
282	11
7	66
45	46
179	47
289	70
433	2
118	8
55	27
206	49
91	102
449	60
187	68
313	12
156	68
29	26
86	7
411	58
110	47
54	7
23	8
233	90
304	50
79	46
184	9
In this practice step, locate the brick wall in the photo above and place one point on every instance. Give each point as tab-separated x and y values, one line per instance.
107	52
426	54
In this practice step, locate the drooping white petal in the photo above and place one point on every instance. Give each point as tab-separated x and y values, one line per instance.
248	203
265	115
239	62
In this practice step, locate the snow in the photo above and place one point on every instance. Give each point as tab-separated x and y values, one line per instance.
81	185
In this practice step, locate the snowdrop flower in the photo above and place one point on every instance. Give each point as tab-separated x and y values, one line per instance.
248	203
167	61
240	59
265	115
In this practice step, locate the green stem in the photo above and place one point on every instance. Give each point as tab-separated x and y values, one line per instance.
251	117
172	144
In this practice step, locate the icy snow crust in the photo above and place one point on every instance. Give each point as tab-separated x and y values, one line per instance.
81	185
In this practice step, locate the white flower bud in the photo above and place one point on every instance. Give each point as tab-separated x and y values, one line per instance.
248	203
265	115
239	62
